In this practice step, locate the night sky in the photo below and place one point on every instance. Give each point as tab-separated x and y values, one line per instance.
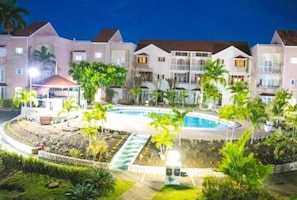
253	21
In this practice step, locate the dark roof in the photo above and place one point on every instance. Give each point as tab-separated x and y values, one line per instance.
105	35
57	81
30	29
288	37
206	46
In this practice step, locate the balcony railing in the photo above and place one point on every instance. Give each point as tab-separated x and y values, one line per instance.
270	69
268	86
196	68
180	67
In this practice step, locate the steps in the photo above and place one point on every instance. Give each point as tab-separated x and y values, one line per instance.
129	151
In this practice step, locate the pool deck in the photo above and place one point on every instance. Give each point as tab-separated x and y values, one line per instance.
139	124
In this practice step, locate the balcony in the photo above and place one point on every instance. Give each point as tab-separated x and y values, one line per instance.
270	69
184	67
196	68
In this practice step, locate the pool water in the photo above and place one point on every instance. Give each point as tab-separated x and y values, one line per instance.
190	120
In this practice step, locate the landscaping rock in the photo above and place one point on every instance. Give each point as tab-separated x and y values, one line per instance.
53	185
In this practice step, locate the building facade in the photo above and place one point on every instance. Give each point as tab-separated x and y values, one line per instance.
275	66
16	54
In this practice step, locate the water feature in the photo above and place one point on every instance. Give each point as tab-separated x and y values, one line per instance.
129	151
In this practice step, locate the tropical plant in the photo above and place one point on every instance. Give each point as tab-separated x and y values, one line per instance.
163	125
211	92
179	119
214	71
97	147
91	129
256	114
23	97
240	91
136	92
279	104
183	97
69	105
246	170
82	191
110	93
44	57
155	96
103	180
100	113
170	95
11	16
291	117
90	76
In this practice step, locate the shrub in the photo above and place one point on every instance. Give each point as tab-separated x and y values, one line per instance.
226	188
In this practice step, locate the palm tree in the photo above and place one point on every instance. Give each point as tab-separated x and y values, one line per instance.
179	119
10	16
170	96
44	57
68	106
97	147
24	97
100	113
211	92
256	114
156	94
91	129
183	96
136	92
214	71
240	92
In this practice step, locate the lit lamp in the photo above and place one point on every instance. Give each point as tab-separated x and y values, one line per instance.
33	72
173	168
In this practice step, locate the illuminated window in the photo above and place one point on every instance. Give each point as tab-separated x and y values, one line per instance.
142	60
240	63
98	55
2	74
19	50
2	52
236	78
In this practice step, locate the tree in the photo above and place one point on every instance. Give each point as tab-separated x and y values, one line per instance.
179	120
97	147
24	97
68	106
170	95
163	125
211	92
11	16
245	170
214	71
44	57
256	114
279	104
240	91
91	76
100	113
90	130
183	96
136	92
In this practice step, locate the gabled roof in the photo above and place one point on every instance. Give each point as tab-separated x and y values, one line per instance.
288	37
105	35
56	81
30	29
205	46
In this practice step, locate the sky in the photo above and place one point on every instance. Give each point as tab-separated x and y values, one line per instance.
252	21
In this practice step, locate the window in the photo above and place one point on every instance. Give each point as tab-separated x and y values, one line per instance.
236	78
2	74
2	92
98	55
293	60
266	99
240	63
201	62
293	82
181	54
19	50
142	60
79	56
267	66
161	59
2	52
19	71
202	54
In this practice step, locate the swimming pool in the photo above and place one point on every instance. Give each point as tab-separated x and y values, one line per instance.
192	119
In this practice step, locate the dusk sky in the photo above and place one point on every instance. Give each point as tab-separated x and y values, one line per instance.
253	21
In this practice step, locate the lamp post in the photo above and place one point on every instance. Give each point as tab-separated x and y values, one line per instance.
33	72
173	168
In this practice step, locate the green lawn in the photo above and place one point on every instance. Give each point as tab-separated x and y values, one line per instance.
178	192
33	186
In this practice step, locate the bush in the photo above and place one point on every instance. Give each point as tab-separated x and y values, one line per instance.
226	188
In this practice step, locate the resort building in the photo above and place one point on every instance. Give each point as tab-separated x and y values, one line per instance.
16	55
274	66
168	64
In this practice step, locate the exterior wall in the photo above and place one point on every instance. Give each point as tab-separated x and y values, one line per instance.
228	56
115	51
289	81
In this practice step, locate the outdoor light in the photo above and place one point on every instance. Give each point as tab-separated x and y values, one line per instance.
173	168
33	72
173	155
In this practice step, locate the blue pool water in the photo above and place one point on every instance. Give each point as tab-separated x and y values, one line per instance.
190	121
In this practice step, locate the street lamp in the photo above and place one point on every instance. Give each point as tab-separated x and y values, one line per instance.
33	72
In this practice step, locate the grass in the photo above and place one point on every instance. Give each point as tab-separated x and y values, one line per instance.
178	192
34	187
